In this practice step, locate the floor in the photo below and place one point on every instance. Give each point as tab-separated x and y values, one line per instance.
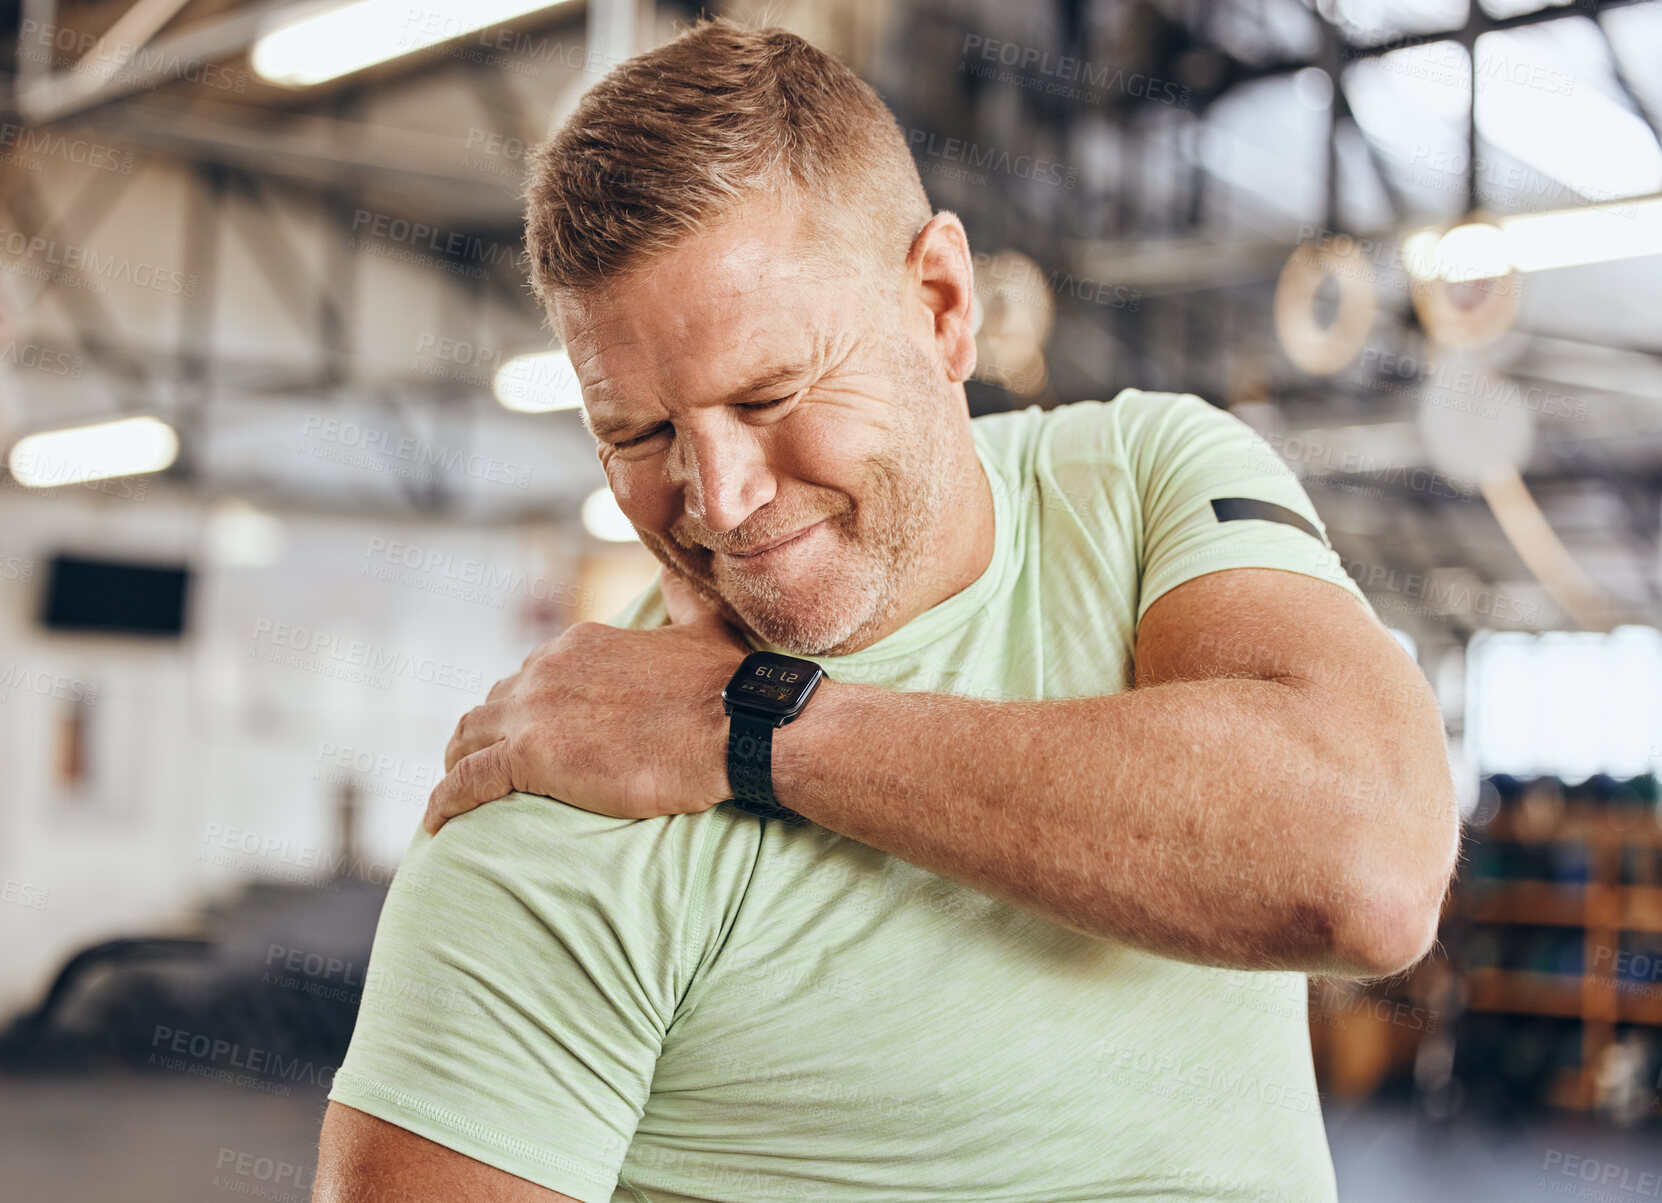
1388	1155
153	1139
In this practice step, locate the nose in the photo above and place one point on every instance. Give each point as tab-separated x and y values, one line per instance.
724	473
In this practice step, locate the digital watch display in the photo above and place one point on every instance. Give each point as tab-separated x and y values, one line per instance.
768	691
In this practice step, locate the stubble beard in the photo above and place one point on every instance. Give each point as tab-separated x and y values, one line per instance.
883	545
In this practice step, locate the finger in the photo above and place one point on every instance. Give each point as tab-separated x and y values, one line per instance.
482	777
479	728
533	654
684	603
502	687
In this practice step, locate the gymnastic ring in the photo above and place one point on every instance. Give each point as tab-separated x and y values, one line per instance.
1318	349
1450	323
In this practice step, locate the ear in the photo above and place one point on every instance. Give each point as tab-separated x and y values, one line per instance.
940	273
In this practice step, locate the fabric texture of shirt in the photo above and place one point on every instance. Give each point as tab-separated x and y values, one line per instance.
721	1007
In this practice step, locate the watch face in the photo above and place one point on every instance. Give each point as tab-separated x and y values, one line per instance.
776	685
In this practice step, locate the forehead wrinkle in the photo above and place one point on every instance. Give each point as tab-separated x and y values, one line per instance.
782	369
602	386
707	338
758	371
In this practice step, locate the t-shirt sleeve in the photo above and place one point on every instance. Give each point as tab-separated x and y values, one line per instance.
528	961
645	611
1215	496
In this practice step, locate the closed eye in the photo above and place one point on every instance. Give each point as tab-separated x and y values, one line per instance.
755	406
640	438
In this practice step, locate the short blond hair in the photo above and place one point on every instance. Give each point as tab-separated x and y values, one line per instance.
679	138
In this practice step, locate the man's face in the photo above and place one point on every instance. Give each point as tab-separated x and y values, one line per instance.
742	399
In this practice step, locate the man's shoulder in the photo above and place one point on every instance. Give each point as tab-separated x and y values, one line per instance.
543	856
1089	449
1092	429
1126	415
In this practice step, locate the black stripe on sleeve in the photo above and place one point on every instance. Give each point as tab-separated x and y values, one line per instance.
1232	509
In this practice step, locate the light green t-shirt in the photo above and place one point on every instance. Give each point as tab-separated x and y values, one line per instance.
716	1006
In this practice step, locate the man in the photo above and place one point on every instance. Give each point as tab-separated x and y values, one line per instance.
1111	750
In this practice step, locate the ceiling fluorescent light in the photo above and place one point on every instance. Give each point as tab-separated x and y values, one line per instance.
332	40
1535	242
1572	237
1475	251
127	447
538	382
604	519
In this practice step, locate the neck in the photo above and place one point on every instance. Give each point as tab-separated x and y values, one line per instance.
962	549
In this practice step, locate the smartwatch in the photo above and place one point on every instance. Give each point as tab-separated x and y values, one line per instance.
768	691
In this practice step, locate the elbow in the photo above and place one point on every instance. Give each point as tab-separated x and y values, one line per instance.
1384	936
1387	910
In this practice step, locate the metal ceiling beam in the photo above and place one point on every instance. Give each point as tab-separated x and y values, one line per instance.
1181	264
93	322
313	149
59	94
39	14
1477	23
132	29
283	265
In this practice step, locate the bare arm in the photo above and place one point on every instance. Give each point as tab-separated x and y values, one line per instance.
1273	793
362	1159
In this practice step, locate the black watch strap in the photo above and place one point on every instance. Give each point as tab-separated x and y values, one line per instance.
750	767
